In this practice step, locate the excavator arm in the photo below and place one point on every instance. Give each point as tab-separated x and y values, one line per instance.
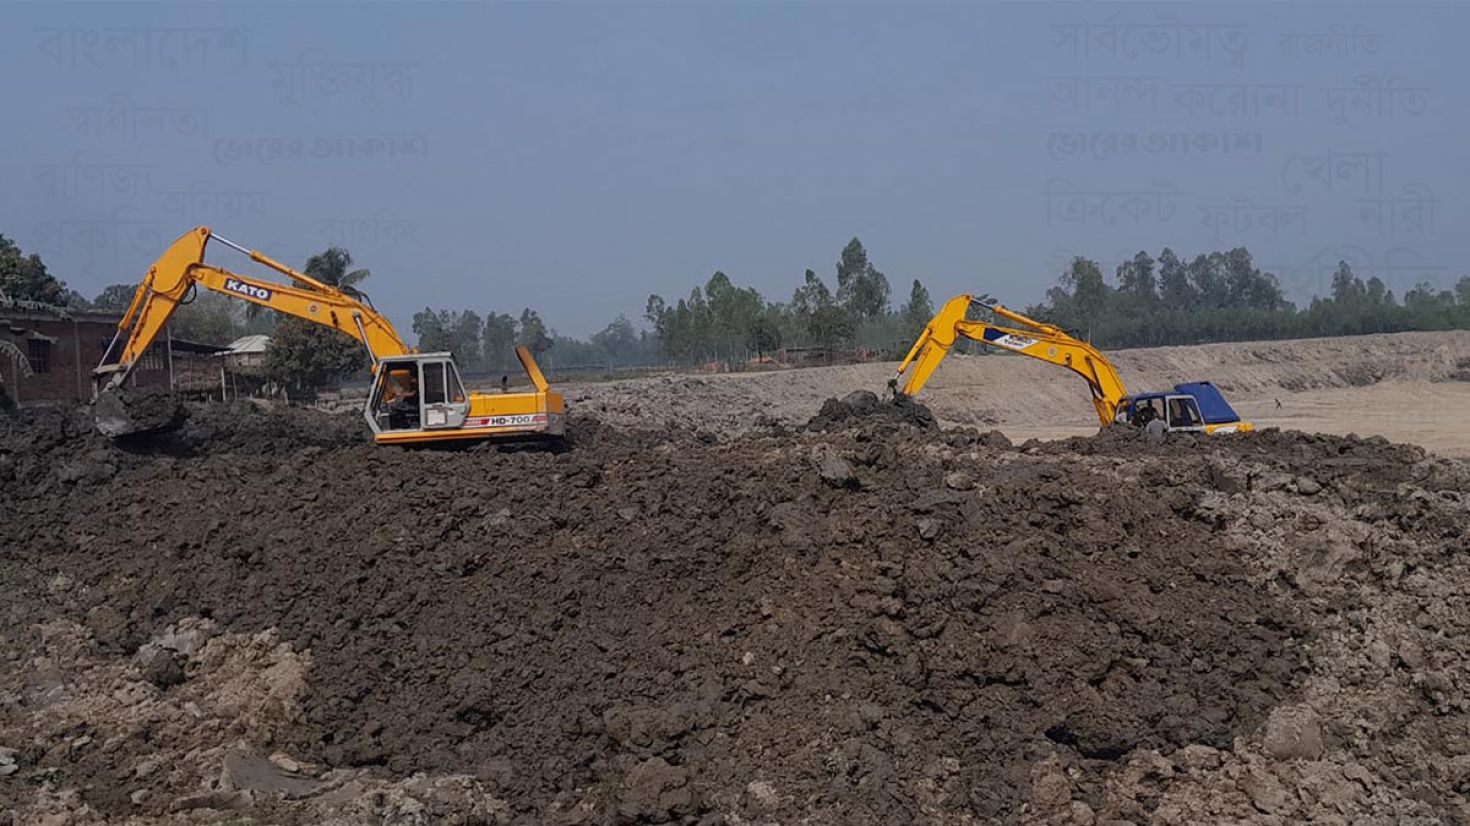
1029	337
182	267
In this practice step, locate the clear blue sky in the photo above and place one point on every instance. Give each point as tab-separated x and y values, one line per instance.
575	158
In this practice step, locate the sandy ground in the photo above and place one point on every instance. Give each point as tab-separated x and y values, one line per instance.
1408	387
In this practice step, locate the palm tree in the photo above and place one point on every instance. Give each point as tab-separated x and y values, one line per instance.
334	267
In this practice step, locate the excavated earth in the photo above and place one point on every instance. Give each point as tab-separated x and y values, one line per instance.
263	618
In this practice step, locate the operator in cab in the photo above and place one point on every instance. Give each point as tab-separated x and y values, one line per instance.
403	401
1144	413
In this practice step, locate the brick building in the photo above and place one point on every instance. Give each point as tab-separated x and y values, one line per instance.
62	349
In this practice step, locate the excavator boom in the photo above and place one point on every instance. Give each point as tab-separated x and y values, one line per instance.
1029	337
445	411
182	268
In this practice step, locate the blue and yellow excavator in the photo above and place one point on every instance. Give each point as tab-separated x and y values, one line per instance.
1197	407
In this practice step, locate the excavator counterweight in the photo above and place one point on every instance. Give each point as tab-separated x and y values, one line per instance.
415	397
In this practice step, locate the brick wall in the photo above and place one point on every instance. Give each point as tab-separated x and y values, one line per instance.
62	354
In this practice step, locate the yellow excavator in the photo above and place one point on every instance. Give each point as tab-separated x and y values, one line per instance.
1190	407
415	397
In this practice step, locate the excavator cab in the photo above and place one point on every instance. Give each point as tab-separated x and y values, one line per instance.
1180	412
418	393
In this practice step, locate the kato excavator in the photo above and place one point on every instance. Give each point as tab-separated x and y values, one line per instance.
1197	407
415	397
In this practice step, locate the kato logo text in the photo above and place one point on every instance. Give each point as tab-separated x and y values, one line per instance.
249	290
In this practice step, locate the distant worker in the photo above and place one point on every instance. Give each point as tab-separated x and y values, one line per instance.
505	384
1278	403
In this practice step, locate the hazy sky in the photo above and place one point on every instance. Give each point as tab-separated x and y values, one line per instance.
575	158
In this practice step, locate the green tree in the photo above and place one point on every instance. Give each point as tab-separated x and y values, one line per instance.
305	356
1175	291
831	325
465	340
763	334
210	318
919	309
24	277
115	297
498	341
811	296
1378	293
850	268
333	266
533	335
433	333
1136	276
655	312
861	289
617	340
1207	274
1346	287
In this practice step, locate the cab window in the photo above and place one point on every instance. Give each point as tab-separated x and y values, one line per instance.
1181	413
456	389
434	390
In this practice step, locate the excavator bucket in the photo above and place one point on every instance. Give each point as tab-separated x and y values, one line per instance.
120	412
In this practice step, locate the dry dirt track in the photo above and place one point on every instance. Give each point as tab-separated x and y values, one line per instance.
265	620
1410	387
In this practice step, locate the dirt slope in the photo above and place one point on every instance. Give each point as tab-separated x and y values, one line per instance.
266	618
1322	384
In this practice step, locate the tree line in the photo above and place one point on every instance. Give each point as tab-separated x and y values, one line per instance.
1223	296
1149	301
724	322
717	321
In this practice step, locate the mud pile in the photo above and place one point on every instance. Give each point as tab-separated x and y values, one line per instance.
871	622
865	406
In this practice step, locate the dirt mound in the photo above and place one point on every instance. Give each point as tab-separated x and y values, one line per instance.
864	405
659	627
244	427
129	413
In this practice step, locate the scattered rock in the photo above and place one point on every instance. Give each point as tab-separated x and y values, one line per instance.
654	789
1293	732
249	773
162	667
928	528
832	468
959	480
1266	791
1050	787
1307	486
763	794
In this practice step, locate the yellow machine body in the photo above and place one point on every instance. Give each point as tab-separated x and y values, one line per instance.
444	412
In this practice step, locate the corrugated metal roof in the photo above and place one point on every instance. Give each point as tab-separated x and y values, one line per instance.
249	344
